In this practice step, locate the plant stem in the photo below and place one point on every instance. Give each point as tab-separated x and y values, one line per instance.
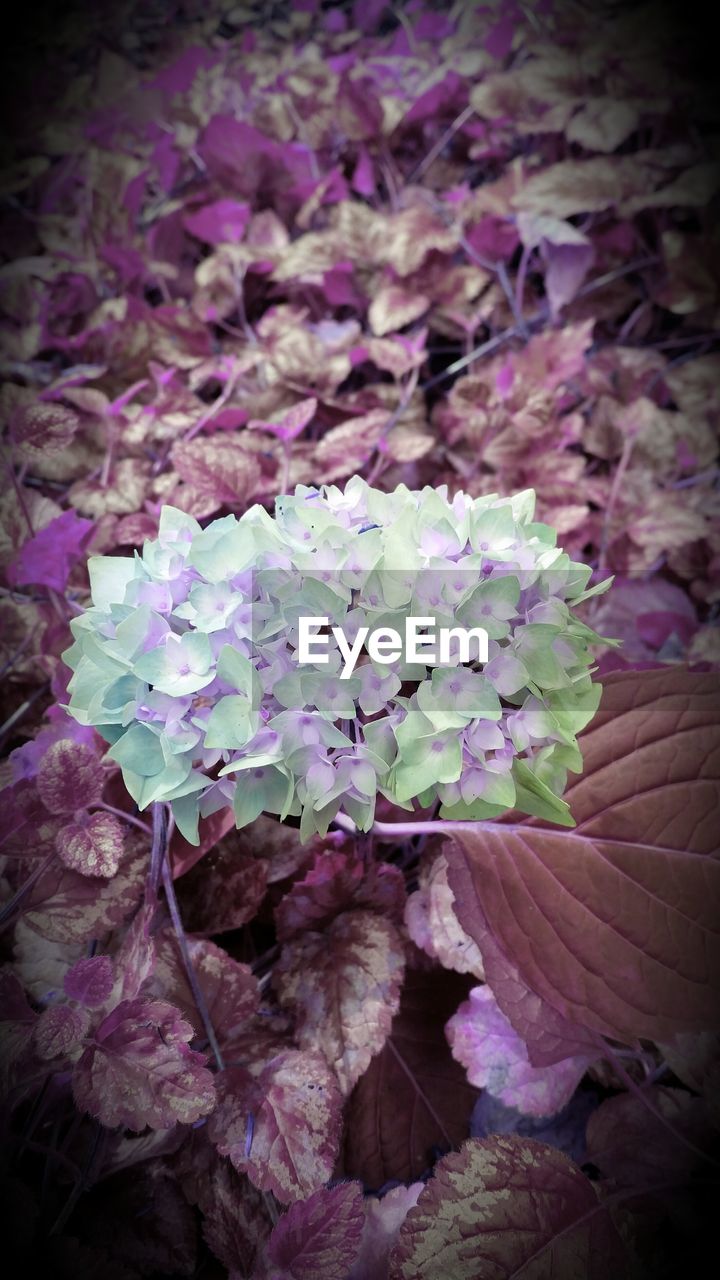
125	817
158	849
198	997
11	906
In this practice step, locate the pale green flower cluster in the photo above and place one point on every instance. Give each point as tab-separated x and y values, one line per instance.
187	663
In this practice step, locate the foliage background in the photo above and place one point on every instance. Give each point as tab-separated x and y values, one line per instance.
483	239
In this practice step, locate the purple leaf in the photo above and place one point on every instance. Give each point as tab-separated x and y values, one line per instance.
48	558
319	1236
90	981
222	222
497	1059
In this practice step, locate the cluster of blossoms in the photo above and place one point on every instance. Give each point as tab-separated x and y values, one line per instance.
187	660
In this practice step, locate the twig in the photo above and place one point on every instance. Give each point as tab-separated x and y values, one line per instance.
10	907
500	270
620	470
81	1182
198	997
441	143
19	494
126	817
22	710
638	1092
158	849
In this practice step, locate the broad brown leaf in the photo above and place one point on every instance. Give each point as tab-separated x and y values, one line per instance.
615	923
413	1097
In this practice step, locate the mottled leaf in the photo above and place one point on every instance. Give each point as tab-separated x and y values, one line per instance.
139	1071
60	1031
93	846
283	1127
230	989
223	891
504	1207
338	880
67	907
70	777
90	981
343	987
236	1221
433	924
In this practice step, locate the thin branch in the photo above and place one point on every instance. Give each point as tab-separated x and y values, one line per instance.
638	1092
125	817
10	907
198	997
432	155
158	849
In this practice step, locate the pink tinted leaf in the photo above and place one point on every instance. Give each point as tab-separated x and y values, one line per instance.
290	1145
566	266
70	777
135	954
139	1071
60	1031
222	222
90	981
383	1218
496	1059
319	1236
613	924
292	423
363	178
48	558
93	847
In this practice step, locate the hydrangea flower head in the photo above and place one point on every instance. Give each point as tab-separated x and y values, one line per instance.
186	662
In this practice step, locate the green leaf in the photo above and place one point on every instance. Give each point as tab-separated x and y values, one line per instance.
534	797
